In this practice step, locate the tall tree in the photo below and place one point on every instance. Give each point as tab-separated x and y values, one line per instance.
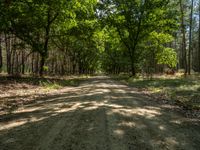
199	37
135	20
65	36
1	57
190	38
183	47
33	22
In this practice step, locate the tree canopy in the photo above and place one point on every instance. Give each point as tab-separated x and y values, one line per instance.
88	36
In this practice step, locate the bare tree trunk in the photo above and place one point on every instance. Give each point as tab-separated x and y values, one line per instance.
37	64
199	37
184	52
42	62
63	65
32	63
1	58
17	69
52	66
8	53
23	62
14	65
177	50
190	39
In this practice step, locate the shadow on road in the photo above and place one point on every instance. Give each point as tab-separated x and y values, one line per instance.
99	114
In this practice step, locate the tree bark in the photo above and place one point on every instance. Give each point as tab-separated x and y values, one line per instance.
42	62
199	37
14	61
32	63
133	73
184	52
8	53
190	39
1	58
44	53
37	64
23	62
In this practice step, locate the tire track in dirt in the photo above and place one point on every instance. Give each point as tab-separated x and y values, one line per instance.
45	143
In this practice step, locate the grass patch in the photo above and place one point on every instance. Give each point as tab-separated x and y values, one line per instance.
50	85
47	82
183	91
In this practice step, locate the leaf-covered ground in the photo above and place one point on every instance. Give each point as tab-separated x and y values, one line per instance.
18	91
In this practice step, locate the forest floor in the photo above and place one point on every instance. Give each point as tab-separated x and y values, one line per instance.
97	113
173	89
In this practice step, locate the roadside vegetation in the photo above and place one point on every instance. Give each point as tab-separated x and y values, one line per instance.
18	91
176	89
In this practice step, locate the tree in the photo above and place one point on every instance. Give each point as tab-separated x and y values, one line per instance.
199	37
34	22
190	39
76	38
1	57
135	20
184	52
70	37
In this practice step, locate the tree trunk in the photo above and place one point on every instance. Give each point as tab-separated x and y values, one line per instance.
23	62
190	39
1	58
184	52
199	37
14	61
32	63
14	64
133	73
56	65
73	68
37	63
80	68
44	54
17	61
52	66
42	62
8	53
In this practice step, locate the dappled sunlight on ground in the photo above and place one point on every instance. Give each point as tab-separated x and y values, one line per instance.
99	113
138	111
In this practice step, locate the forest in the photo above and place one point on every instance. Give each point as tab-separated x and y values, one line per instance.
86	37
99	74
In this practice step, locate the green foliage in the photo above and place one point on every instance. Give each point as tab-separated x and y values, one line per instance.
50	85
159	38
168	57
46	68
139	25
113	35
155	49
182	91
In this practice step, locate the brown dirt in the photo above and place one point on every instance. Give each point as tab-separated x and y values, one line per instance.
100	114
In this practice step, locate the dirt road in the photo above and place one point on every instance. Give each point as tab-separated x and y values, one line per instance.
100	114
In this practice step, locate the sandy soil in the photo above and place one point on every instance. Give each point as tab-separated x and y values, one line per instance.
100	114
